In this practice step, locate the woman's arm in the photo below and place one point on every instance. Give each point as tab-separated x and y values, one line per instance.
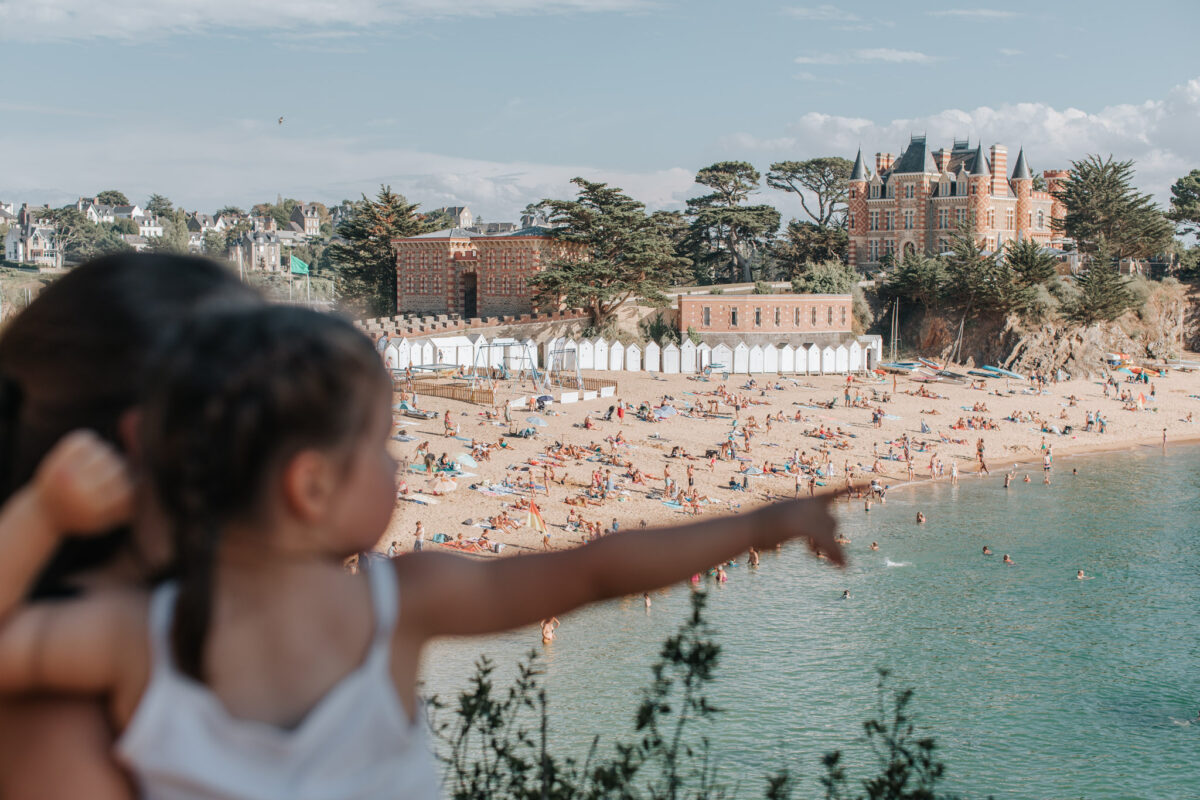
443	594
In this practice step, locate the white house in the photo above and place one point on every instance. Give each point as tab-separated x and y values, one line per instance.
149	227
33	239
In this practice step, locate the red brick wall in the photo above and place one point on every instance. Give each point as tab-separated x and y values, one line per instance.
691	313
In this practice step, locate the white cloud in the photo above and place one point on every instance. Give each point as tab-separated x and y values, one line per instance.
984	13
822	13
42	20
204	169
885	54
1158	134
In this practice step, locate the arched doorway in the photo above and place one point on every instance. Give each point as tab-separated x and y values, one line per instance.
470	295
909	249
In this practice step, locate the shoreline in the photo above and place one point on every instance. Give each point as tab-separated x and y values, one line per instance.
816	424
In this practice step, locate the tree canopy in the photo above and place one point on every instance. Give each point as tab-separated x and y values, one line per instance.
623	253
365	264
826	179
826	277
1101	203
725	233
1031	263
159	206
1185	202
1103	294
804	243
112	197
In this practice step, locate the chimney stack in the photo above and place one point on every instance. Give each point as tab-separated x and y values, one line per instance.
999	155
883	162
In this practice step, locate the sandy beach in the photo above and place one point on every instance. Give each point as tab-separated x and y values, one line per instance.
1007	414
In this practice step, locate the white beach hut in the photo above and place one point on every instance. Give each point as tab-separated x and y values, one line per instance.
586	355
812	359
828	360
426	351
670	359
389	353
616	356
653	357
633	358
787	359
479	350
599	354
841	359
756	359
687	356
703	356
856	357
722	355
741	358
770	359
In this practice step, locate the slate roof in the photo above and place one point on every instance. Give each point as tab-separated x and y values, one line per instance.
1021	169
980	167
915	158
859	173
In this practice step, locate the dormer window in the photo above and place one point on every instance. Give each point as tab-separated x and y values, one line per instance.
909	192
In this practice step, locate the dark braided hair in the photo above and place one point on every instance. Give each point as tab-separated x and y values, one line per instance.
230	398
75	357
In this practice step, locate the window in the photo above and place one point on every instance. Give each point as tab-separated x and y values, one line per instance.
972	188
1008	220
889	246
909	191
991	218
851	221
944	218
961	216
829	315
891	190
843	316
814	315
707	316
875	191
853	193
777	318
908	220
873	249
887	217
1041	220
796	317
733	317
758	317
874	221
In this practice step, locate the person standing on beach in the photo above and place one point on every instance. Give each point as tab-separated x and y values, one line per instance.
1164	438
419	537
979	453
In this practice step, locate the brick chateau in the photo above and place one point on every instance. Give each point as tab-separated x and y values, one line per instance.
915	203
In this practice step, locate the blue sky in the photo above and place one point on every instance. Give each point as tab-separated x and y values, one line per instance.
497	103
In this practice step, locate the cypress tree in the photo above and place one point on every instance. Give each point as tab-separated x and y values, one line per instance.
1103	293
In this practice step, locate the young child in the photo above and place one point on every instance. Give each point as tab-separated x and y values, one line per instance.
262	669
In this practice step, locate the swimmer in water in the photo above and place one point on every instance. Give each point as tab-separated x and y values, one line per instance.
1026	479
1007	479
846	594
1079	575
874	545
987	551
752	558
1074	471
920	518
1009	561
549	626
646	599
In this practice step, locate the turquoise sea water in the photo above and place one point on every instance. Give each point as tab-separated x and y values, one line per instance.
1036	685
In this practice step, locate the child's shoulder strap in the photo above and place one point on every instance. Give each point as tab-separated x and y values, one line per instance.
162	613
385	598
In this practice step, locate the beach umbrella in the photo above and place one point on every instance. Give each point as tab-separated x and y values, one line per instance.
665	411
466	459
752	471
536	421
546	398
443	484
1125	371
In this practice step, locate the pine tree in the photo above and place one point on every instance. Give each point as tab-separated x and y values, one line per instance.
1101	204
1030	262
1103	293
725	233
621	253
365	263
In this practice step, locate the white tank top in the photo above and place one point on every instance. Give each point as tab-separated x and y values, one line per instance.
356	743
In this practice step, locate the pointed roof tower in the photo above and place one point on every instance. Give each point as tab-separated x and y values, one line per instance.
1021	169
859	173
980	166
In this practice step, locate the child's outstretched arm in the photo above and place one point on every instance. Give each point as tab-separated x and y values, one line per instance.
443	594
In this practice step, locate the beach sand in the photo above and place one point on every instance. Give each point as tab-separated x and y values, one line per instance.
649	444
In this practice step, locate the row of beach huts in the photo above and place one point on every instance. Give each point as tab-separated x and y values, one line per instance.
566	354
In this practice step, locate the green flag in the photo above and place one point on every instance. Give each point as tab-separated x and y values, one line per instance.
299	267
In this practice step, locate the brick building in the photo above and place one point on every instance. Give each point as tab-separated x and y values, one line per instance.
457	271
916	202
775	316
